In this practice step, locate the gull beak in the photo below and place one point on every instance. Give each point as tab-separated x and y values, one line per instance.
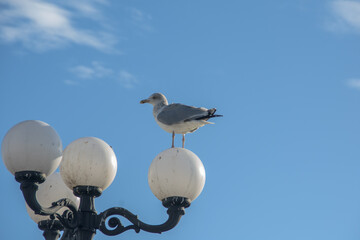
144	101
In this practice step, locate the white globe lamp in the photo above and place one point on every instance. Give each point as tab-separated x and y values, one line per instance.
176	172
88	161
31	145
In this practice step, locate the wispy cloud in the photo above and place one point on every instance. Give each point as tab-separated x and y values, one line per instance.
127	79
43	25
140	19
354	83
87	8
97	71
71	82
346	16
93	71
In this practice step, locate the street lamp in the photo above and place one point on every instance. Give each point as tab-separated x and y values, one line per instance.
32	151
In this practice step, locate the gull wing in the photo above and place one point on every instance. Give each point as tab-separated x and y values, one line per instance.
178	113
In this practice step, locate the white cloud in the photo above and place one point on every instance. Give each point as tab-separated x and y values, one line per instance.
354	83
127	79
97	71
347	16
70	82
141	19
42	25
139	16
83	71
84	6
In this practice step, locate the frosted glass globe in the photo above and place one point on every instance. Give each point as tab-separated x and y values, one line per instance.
31	145
176	172
88	161
52	190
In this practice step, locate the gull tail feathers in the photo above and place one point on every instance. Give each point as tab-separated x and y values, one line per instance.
207	117
211	114
204	117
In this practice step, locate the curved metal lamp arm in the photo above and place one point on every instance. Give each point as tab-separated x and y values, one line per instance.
29	185
175	211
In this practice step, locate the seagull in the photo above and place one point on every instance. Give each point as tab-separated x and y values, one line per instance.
177	118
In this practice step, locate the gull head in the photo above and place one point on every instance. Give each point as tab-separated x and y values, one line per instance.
155	99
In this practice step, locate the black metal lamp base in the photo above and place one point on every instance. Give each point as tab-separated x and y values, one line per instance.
90	191
176	202
30	176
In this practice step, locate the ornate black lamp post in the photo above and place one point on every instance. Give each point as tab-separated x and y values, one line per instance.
32	151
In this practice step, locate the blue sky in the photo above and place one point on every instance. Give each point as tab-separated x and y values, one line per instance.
284	161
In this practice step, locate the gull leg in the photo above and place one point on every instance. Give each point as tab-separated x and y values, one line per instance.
173	138
183	141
